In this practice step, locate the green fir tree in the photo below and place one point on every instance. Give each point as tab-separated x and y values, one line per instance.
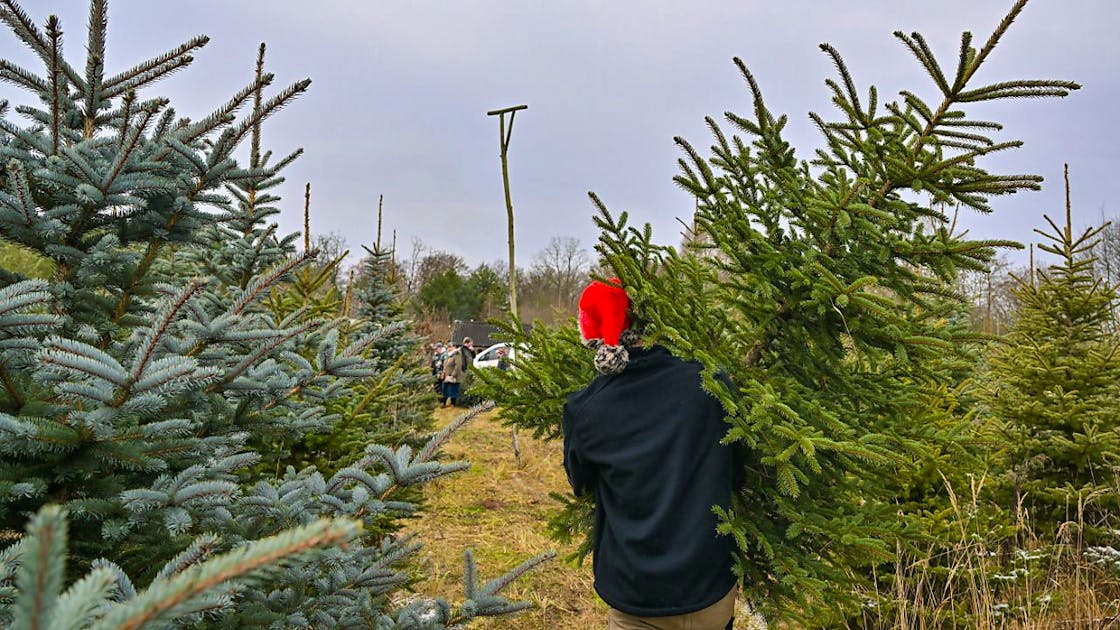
821	288
1054	392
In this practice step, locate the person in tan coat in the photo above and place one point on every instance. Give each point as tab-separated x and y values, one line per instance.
454	369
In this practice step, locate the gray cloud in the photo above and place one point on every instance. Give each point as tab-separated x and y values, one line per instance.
401	89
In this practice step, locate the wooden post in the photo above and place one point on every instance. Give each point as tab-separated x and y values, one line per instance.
504	135
503	138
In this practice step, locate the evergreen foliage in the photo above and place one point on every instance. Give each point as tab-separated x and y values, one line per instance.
460	296
822	288
146	377
393	408
1054	390
188	589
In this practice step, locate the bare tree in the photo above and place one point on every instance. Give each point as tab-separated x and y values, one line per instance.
1107	254
437	262
992	296
410	267
330	246
562	268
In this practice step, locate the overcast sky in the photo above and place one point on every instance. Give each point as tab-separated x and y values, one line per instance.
400	90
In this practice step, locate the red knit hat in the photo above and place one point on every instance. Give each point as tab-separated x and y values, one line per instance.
603	311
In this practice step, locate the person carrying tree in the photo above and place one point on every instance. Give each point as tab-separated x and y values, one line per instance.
644	438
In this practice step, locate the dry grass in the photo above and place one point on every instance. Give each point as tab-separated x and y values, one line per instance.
500	511
1036	585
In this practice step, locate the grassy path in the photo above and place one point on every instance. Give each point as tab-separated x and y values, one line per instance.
500	511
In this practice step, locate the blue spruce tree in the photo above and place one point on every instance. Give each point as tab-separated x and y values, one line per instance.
142	379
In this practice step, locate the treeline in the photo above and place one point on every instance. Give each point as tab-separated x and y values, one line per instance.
438	287
992	292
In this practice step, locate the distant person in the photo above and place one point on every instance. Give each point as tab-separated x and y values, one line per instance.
452	377
468	353
644	439
436	361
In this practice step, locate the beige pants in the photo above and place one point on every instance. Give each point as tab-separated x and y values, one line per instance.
714	617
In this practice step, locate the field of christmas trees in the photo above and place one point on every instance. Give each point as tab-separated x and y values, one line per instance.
205	422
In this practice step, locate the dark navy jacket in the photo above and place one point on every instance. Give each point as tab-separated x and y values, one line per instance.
646	442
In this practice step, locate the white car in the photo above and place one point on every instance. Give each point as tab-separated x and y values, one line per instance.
489	357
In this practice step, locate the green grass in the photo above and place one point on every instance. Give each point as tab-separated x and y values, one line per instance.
19	259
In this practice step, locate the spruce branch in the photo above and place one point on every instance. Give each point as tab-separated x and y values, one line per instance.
224	114
286	160
756	93
849	84
470	575
269	107
142	79
257	287
1018	89
261	352
198	552
437	441
42	570
84	598
54	33
917	45
24	28
16	75
183	367
975	139
250	263
255	142
964	61
160	601
969	63
157	332
13	391
126	118
422	460
497	585
95	56
164	125
91	175
75	358
138	276
21	190
484	600
187	153
126	151
976	60
129	77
